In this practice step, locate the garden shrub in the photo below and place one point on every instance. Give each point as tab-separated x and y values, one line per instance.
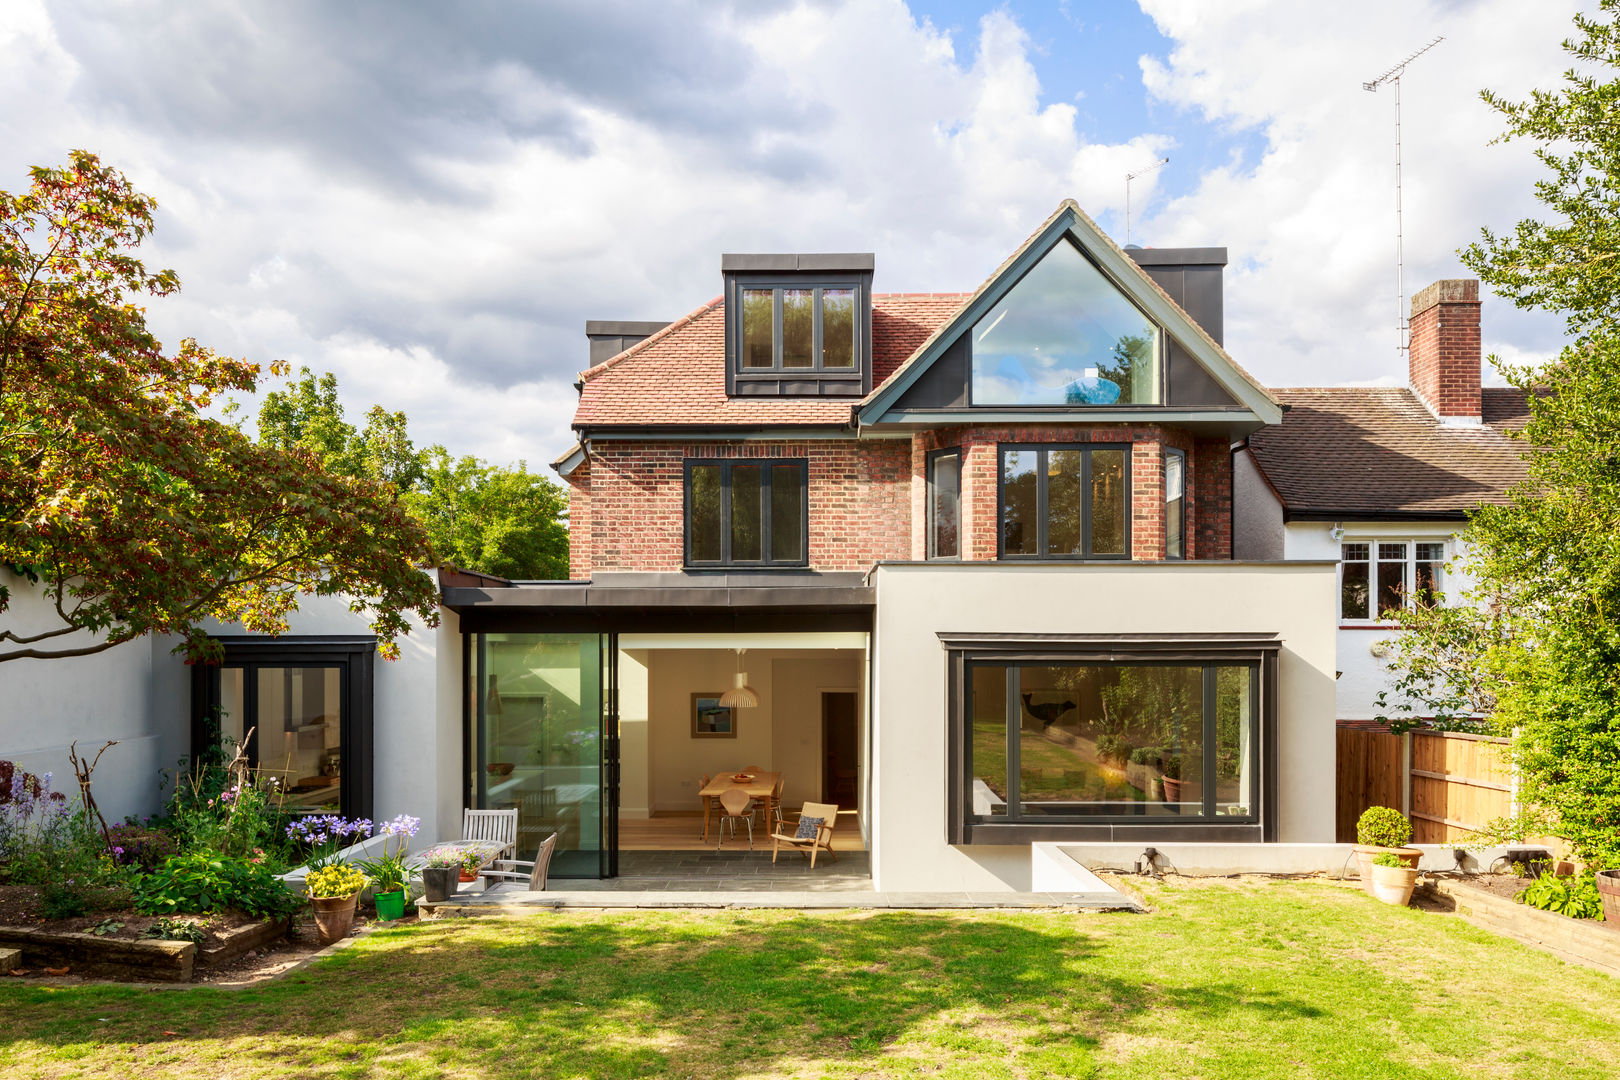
48	841
1576	896
202	882
1381	826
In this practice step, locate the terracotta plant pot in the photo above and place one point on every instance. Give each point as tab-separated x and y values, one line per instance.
1366	853
333	916
1608	884
467	875
1394	884
1172	790
439	882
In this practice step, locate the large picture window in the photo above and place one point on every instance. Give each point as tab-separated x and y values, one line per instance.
1064	502
751	512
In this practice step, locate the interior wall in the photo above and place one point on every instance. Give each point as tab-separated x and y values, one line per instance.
796	736
635	782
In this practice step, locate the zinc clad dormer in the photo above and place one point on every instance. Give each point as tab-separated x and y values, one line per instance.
798	325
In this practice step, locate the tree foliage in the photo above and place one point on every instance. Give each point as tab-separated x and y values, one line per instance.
130	507
1549	559
501	521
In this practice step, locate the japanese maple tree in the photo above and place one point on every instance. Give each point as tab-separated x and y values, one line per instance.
120	497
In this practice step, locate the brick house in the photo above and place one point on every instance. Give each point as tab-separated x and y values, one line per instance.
971	553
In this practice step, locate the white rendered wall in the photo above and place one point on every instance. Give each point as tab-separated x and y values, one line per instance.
909	717
1364	672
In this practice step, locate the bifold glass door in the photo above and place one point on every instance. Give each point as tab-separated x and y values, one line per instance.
539	712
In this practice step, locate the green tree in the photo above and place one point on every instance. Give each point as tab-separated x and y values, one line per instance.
132	509
309	416
1548	561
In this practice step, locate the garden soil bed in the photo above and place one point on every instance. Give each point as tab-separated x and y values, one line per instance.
1486	900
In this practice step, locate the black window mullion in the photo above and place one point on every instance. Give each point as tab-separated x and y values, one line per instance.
250	712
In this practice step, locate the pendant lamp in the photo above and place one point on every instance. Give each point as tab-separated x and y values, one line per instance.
741	695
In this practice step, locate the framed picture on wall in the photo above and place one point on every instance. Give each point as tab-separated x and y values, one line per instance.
712	720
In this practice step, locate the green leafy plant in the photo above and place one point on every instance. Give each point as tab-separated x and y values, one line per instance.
332	882
172	929
202	882
1382	826
440	858
1145	755
1171	767
105	927
1113	748
1388	858
388	871
1576	896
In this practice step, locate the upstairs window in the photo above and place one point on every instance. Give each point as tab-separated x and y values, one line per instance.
1378	578
1065	335
1064	502
798	325
945	504
797	330
1175	504
752	512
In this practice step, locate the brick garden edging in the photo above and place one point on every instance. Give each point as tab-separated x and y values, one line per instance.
87	954
1583	941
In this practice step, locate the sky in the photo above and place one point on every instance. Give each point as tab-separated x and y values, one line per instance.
430	200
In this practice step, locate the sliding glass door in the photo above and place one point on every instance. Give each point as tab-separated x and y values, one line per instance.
539	713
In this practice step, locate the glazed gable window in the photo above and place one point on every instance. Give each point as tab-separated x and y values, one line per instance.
1062	501
1377	578
747	512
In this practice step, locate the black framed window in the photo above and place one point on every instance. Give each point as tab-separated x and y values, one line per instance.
944	518
798	327
1077	738
747	512
1064	501
1175	504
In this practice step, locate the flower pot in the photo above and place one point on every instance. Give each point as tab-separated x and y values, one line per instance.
333	916
1366	853
390	905
439	882
1172	790
1393	884
1608	884
467	875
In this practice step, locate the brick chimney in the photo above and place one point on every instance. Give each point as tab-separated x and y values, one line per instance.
1444	350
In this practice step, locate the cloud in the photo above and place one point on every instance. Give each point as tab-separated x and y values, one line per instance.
430	199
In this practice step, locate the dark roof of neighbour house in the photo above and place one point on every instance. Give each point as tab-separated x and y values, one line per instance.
678	375
1366	452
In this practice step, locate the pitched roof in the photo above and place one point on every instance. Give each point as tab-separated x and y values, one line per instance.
678	375
1364	452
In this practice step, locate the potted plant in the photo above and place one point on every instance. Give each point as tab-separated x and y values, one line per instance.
1382	830
388	873
333	891
1170	765
324	835
1392	879
470	862
440	871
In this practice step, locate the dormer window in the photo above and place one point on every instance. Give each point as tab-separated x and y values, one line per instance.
798	325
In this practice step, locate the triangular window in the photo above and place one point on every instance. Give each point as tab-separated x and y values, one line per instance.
1065	335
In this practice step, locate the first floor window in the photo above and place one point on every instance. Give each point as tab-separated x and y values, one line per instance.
1064	502
1175	504
1380	577
747	512
798	329
944	503
1051	740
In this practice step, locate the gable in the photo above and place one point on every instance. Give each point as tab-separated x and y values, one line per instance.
1071	325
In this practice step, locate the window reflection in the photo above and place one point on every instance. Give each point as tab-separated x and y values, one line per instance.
1065	335
300	734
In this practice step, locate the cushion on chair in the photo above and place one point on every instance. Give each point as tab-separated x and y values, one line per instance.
809	827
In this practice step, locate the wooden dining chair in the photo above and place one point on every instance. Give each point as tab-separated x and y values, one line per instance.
773	811
521	871
735	805
812	832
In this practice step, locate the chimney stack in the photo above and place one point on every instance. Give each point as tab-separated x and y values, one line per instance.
1444	350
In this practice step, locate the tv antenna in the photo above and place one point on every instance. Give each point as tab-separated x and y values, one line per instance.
1155	167
1393	78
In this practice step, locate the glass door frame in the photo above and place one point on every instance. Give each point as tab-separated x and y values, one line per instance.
353	657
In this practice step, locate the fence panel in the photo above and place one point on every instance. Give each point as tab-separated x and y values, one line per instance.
1459	783
1369	774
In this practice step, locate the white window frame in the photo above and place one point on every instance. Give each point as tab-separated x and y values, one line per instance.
1409	575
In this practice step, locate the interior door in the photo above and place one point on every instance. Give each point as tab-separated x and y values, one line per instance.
840	748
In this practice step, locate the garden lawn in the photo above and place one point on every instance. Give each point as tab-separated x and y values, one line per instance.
1222	980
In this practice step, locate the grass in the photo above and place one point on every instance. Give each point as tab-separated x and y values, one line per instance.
1223	980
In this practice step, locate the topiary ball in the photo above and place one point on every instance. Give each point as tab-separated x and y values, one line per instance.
1381	826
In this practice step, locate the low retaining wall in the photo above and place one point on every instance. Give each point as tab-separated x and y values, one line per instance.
101	957
1219	860
1584	941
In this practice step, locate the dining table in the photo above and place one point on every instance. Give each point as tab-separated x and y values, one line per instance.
759	785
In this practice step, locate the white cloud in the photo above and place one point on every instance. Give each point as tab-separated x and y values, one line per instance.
431	204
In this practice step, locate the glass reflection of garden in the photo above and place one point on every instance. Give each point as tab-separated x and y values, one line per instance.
1099	740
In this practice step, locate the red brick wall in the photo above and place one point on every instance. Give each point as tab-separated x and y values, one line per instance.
1444	351
867	498
859	500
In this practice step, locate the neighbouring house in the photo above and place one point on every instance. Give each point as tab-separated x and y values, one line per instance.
1379	480
963	564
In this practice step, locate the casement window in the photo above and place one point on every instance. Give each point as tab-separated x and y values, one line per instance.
1175	504
944	504
798	328
747	512
1060	501
1055	738
1378	578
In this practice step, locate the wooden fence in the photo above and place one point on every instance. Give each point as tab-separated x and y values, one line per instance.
1448	783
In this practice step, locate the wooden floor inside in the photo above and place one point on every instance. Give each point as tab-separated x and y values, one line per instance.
669	831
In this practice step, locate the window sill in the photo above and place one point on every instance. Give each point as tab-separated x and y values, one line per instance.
1371	626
